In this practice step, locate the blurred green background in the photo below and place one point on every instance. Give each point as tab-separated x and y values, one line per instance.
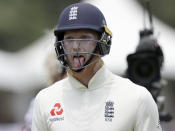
23	21
163	10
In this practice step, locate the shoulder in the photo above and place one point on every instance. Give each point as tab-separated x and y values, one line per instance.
123	87
125	84
52	91
133	94
137	93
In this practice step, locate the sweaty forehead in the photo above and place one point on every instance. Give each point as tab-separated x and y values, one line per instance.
80	34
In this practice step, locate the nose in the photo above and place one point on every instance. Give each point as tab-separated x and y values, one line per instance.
75	44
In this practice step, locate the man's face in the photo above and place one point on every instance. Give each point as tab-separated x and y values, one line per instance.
77	45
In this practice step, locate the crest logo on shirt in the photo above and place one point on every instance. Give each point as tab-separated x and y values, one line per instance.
57	110
109	111
158	125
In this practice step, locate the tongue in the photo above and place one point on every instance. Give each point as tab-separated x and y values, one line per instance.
79	61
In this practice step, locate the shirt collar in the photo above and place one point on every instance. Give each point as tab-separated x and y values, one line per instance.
95	82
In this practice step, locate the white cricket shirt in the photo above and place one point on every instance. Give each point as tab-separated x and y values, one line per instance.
110	103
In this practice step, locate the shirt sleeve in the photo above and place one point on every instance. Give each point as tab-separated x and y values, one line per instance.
147	113
38	121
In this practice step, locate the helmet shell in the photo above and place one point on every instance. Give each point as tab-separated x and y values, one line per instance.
80	16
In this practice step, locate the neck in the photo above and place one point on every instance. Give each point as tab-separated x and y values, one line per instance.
86	74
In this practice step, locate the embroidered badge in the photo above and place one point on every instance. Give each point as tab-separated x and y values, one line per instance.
73	13
158	125
109	111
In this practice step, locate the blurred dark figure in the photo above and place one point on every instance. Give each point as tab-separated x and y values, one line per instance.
144	68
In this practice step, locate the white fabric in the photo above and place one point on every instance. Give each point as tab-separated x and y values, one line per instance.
110	103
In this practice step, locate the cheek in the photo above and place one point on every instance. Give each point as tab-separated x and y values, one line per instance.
69	57
90	47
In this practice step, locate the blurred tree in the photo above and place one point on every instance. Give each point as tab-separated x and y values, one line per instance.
23	21
163	10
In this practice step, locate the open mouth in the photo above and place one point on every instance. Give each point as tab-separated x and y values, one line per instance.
78	61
